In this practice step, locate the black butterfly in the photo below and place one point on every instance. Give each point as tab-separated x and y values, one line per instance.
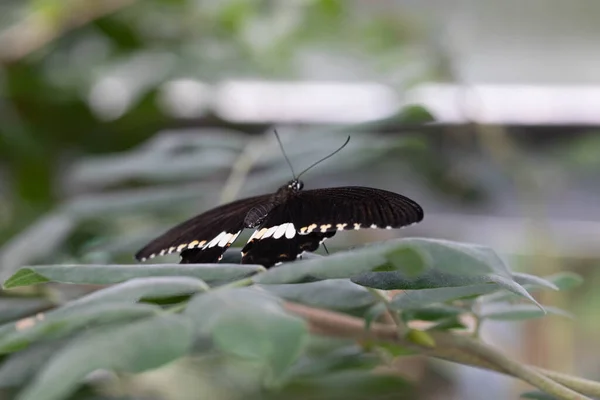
287	223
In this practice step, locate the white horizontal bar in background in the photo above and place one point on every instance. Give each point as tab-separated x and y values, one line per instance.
510	103
308	102
328	102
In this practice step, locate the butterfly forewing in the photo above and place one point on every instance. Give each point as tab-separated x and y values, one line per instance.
352	207
204	238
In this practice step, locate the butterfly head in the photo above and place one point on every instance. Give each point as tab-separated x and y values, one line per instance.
295	185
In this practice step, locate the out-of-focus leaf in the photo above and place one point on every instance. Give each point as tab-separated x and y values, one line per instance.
414	114
348	385
446	324
345	357
251	324
40	239
431	313
135	347
373	313
409	260
138	288
561	280
516	312
565	280
421	338
109	274
21	366
527	279
354	262
333	294
537	395
63	321
420	298
12	308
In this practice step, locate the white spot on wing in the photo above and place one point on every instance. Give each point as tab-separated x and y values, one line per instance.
193	244
216	240
325	227
311	228
290	231
224	240
388	227
280	231
373	226
269	232
341	227
356	226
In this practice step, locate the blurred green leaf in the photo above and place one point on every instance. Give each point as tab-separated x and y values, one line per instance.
516	312
446	324
251	324
536	395
561	280
408	260
414	114
348	385
23	365
109	274
449	257
532	280
138	288
419	298
333	294
373	313
63	321
12	308
431	313
136	347
421	338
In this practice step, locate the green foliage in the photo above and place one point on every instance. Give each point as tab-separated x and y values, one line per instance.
110	329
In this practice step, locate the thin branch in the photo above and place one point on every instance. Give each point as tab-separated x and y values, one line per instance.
449	347
41	27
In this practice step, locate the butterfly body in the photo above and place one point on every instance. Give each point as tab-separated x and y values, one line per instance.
287	223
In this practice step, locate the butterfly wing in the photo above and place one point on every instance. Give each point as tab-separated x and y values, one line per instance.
351	207
277	240
307	218
204	238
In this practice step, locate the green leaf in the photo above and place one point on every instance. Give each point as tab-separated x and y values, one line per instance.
339	265
449	257
151	287
420	298
251	324
19	367
449	264
537	395
135	347
532	280
347	385
110	274
333	294
408	260
421	338
517	312
565	280
414	114
373	313
562	281
447	324
64	321
431	313
12	308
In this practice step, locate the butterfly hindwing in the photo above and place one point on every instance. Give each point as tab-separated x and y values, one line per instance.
352	207
278	240
204	238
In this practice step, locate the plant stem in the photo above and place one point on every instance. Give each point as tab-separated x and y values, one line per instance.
449	346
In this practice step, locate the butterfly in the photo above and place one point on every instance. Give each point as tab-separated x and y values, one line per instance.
286	223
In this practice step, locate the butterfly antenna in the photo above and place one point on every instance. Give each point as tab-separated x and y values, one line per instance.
324	158
283	151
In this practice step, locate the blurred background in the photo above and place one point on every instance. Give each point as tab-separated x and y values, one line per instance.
121	118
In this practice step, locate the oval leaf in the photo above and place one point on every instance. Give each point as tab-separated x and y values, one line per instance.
136	347
110	274
333	294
